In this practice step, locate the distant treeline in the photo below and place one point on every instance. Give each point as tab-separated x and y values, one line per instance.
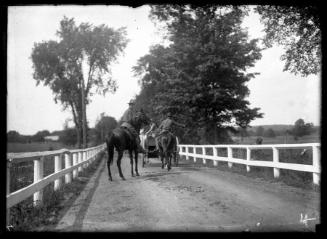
299	129
105	123
67	136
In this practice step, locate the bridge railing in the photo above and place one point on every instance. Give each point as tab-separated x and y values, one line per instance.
314	168
74	160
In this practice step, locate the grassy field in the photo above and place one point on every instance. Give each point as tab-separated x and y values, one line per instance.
315	138
34	147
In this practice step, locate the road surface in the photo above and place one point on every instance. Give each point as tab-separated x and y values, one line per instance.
188	198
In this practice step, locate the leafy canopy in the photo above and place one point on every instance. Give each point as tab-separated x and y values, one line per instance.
201	76
297	29
59	64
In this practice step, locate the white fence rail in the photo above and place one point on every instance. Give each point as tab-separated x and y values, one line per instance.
75	161
315	168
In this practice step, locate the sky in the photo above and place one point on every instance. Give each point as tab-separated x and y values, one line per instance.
282	97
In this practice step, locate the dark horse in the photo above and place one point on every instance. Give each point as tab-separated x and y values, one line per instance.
122	140
167	143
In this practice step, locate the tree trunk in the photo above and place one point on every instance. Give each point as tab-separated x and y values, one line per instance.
78	134
78	123
83	115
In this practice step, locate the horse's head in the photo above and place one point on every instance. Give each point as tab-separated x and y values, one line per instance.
140	119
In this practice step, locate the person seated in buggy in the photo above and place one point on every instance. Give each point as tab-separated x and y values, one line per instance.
166	127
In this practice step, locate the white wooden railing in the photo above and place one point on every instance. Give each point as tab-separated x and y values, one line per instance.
315	168
75	161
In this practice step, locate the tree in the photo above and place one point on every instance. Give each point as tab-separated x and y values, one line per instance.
39	136
200	77
104	125
59	66
68	137
13	136
297	28
301	128
270	133
260	131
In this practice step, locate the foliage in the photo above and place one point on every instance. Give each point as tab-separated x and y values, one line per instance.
259	140
260	131
103	126
39	136
297	29
68	137
301	128
14	136
200	77
59	64
270	133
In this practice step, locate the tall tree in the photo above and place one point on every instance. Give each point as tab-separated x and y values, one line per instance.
58	64
297	29
200	77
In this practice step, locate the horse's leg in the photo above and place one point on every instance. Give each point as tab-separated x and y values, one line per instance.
162	159
169	160
120	155
143	160
110	149
109	172
175	158
131	160
136	162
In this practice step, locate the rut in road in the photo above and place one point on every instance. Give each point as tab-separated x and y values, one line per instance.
187	199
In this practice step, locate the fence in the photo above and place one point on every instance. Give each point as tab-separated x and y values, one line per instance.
74	160
315	168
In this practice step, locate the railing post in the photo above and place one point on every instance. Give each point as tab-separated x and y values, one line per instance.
230	156
57	168
248	158
204	153
84	159
316	164
187	151
74	163
79	160
276	161
214	150
8	191
194	152
68	164
38	175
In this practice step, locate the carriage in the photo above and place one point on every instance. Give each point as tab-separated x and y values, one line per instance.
149	144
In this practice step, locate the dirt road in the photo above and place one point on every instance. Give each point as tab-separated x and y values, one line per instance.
188	198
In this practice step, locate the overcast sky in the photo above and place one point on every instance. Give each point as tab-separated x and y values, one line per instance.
282	96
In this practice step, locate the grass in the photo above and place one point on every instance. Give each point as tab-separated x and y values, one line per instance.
34	147
25	217
314	138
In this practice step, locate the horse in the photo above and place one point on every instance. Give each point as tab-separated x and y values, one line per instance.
121	140
166	143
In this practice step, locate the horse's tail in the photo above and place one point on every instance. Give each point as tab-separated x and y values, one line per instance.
110	146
